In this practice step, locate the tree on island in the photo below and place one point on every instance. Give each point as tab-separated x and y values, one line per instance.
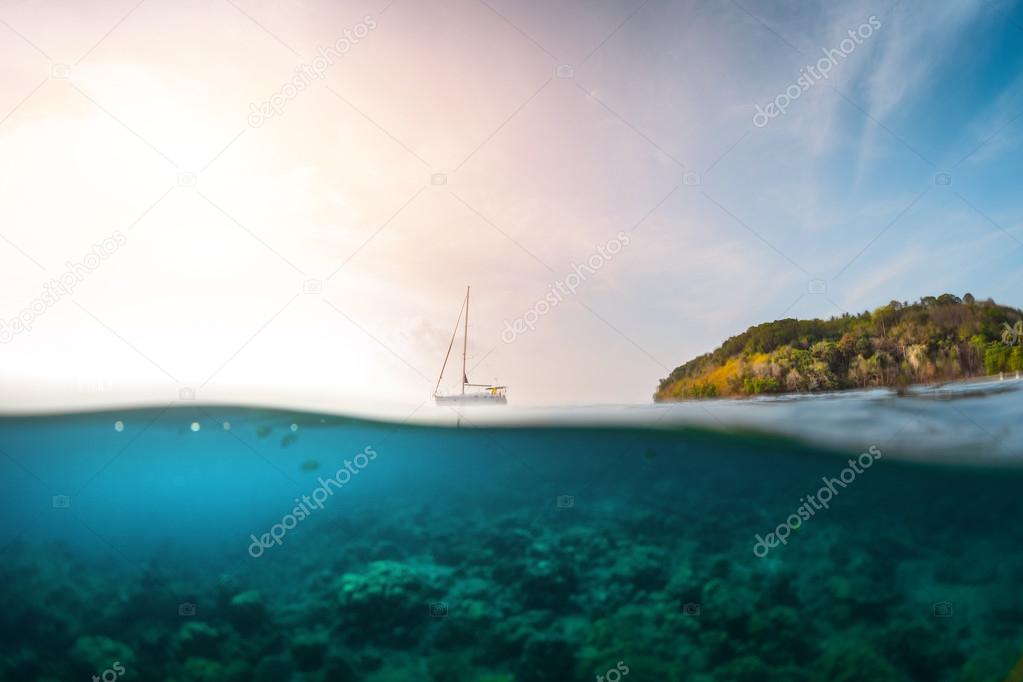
1012	334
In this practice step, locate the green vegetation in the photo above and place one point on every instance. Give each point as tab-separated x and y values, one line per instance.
935	339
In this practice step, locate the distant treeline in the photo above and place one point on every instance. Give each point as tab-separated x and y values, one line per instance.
935	339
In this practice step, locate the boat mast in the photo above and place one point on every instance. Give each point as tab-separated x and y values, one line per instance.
465	340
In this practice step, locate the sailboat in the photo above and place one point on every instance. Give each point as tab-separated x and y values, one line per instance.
482	394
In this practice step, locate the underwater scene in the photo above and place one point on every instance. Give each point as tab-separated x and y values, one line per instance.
200	543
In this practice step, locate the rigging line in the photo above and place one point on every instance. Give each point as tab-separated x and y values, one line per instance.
450	346
465	341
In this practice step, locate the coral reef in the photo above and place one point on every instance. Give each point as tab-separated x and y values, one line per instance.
544	605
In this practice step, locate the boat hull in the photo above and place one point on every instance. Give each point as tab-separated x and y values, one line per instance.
471	399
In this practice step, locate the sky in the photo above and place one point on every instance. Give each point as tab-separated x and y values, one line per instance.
283	202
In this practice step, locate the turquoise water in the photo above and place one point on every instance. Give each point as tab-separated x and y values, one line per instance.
160	545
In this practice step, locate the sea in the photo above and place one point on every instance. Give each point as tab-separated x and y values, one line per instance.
865	536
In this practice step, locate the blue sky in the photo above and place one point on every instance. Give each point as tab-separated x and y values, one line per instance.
554	126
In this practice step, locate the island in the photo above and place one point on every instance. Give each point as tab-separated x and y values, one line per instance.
935	339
